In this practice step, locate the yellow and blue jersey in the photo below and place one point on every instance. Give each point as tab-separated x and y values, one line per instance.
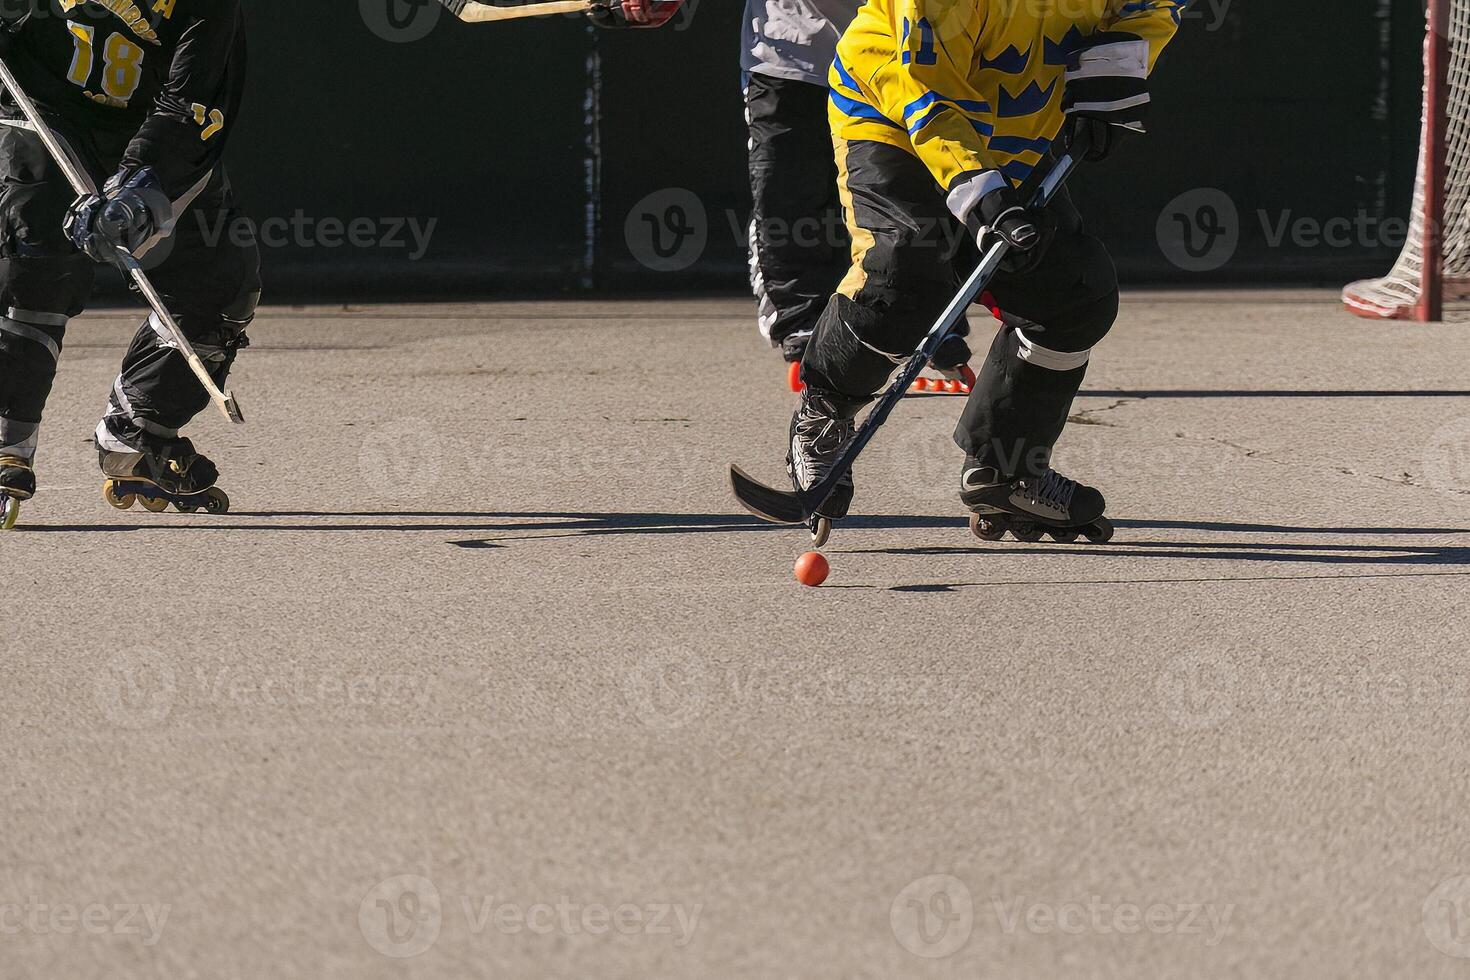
969	85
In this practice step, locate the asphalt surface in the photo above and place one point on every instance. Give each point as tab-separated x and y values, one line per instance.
485	675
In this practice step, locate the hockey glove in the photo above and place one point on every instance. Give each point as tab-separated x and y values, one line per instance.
1106	94
987	204
14	13
615	14
131	209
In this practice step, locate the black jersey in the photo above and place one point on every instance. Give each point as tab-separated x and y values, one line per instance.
169	72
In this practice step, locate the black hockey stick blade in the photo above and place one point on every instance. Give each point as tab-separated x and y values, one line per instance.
767	503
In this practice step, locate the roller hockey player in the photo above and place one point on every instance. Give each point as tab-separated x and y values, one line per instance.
798	251
939	109
143	94
798	247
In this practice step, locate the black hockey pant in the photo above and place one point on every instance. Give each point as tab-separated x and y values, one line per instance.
798	246
208	270
902	277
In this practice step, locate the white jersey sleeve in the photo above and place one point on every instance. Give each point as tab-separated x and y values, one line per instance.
794	39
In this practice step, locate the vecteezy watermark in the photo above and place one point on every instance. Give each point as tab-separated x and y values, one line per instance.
1197	691
403	916
301	230
136	690
1201	691
1447	457
1361	230
667	231
36	917
1098	916
385	466
1199	230
933	916
668	689
400	21
1447	917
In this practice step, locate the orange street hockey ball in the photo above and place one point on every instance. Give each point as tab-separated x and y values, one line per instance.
812	568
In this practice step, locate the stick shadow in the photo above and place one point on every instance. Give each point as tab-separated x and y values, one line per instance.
1239	548
1241	544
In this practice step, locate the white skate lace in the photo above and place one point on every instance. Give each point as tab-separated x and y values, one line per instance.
817	436
1052	491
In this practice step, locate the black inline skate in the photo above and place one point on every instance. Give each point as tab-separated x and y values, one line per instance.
1031	506
17	484
818	434
169	472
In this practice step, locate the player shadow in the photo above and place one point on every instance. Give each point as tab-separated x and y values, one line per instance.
520	525
1143	393
1272	393
498	529
1126	545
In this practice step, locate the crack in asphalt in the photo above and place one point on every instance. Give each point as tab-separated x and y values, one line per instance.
1087	416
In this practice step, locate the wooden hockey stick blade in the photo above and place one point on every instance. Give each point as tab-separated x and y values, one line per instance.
767	503
473	12
232	409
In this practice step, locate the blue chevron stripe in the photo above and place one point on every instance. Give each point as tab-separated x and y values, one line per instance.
928	99
1018	170
860	110
1019	144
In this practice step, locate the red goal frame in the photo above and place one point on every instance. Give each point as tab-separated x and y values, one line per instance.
1436	160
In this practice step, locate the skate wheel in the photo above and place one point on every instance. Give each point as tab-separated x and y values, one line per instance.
9	513
153	505
920	384
218	502
1026	531
821	531
1100	532
184	508
122	501
793	377
1065	535
986	529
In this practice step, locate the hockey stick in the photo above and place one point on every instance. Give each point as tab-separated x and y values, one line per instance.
82	184
799	506
474	12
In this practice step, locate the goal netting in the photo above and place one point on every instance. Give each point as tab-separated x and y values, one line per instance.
1405	292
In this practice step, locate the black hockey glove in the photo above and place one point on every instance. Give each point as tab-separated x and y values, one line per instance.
1106	94
14	13
615	14
131	209
988	205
